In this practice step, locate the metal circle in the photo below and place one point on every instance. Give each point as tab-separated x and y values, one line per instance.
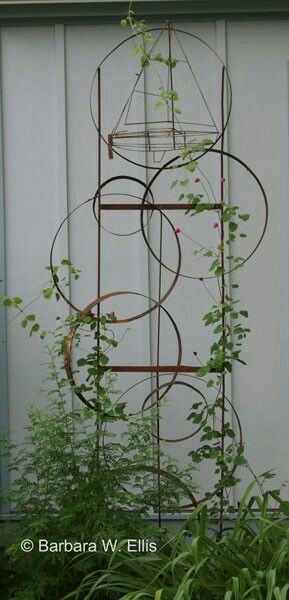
131	233
87	311
264	196
154	469
64	221
153	392
112	180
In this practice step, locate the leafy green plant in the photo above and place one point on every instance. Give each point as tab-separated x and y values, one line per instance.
73	477
249	561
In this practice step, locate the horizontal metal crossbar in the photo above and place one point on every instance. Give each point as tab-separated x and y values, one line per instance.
187	206
153	368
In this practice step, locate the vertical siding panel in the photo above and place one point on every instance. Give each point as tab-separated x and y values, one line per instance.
221	49
29	125
4	405
259	135
62	249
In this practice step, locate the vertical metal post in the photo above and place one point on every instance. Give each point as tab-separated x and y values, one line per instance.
171	82
157	375
223	294
98	234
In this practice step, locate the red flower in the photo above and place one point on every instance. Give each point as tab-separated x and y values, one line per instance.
58	318
223	179
197	180
177	230
215	225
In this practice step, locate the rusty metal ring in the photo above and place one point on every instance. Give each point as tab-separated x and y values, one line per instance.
66	219
240	441
264	196
121	178
173	440
162	473
85	313
115	233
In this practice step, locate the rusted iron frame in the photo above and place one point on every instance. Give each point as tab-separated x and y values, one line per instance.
108	141
178	367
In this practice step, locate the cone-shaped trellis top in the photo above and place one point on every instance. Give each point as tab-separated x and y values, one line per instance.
167	126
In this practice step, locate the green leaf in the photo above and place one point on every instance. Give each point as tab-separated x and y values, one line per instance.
103	359
47	293
145	61
160	105
34	329
158	57
230	433
244	313
112	342
244	217
207	141
171	61
218	329
233	226
87	319
7	301
136	50
203	371
82	362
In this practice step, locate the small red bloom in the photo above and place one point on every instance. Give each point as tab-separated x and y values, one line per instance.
197	180
223	179
58	318
177	230
215	225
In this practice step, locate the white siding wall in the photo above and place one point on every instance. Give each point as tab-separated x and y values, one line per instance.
50	160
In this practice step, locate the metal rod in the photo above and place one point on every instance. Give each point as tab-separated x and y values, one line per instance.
171	82
157	376
98	245
179	206
155	369
223	294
